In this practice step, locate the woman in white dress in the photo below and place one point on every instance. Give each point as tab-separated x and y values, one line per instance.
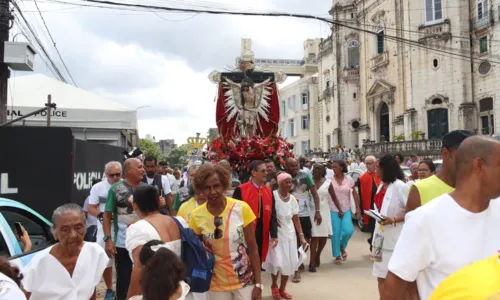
320	233
72	268
284	259
151	226
162	273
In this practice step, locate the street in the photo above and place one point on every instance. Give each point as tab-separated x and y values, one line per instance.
350	281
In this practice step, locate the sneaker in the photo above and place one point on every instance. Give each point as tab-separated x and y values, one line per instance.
110	295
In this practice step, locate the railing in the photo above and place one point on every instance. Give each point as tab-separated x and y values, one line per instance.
380	60
420	148
351	73
483	21
279	62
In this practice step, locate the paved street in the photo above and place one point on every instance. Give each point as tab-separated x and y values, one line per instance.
350	281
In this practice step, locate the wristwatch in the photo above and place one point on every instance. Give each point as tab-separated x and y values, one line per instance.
106	238
259	286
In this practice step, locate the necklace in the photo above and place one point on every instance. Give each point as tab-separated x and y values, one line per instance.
286	198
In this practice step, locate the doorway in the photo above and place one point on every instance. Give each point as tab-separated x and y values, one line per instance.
384	123
437	122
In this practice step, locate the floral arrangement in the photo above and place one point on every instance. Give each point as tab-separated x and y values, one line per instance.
240	152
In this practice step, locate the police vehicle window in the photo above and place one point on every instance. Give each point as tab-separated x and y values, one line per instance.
4	250
37	230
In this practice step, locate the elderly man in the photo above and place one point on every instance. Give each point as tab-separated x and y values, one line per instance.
72	268
455	229
97	202
367	188
414	177
119	210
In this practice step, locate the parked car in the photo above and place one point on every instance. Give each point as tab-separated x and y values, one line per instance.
37	227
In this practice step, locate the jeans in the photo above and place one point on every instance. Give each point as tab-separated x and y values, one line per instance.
123	265
342	231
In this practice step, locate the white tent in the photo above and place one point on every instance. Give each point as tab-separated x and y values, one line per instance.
76	108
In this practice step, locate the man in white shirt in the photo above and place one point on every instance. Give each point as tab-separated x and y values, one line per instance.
161	182
329	172
453	230
96	203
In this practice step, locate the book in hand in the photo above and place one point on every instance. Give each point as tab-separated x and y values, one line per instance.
374	214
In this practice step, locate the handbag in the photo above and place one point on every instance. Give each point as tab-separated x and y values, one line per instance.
91	234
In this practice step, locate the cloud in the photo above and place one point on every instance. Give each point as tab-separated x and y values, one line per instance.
141	59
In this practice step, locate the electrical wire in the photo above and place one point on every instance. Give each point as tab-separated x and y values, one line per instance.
413	43
54	44
36	40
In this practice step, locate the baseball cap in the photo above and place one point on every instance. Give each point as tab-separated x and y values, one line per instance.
455	138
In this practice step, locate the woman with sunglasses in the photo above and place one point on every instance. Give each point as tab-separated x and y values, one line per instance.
226	226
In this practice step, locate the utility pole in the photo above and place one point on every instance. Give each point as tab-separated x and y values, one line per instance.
5	18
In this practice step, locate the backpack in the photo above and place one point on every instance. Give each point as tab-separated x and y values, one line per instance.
198	260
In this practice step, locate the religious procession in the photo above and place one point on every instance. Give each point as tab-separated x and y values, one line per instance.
248	220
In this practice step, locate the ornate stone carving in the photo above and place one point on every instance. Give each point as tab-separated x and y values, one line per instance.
378	17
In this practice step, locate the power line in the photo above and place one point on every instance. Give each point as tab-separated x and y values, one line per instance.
292	15
54	44
30	30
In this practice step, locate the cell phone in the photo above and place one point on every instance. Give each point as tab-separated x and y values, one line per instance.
19	230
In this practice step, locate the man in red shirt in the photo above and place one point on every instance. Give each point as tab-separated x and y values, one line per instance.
367	188
261	200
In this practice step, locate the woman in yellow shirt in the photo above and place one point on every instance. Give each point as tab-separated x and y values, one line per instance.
187	207
226	226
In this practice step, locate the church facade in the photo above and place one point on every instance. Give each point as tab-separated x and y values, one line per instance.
406	70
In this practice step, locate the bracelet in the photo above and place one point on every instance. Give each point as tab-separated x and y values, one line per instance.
394	221
301	234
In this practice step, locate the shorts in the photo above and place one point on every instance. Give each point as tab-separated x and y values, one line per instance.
305	222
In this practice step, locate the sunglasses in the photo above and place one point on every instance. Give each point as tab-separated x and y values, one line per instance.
115	175
218	232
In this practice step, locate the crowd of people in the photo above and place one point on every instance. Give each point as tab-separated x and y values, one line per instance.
429	232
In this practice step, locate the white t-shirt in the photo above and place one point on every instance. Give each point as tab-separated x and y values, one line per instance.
91	220
441	238
284	213
164	182
9	289
99	195
329	174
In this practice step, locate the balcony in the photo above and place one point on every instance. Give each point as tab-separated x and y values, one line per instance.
483	21
380	60
420	148
351	74
440	31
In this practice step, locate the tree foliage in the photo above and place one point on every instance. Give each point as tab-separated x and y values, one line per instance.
148	147
177	157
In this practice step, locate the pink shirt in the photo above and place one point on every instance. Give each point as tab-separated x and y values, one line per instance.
343	193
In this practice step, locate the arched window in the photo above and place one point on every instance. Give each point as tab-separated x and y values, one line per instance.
437	101
353	54
380	39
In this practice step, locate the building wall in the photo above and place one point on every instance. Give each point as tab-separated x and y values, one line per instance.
426	74
295	109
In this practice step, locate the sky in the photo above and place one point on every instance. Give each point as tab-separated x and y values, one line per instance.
158	61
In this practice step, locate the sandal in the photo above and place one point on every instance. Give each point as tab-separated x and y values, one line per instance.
344	254
285	295
312	269
296	278
275	292
338	260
